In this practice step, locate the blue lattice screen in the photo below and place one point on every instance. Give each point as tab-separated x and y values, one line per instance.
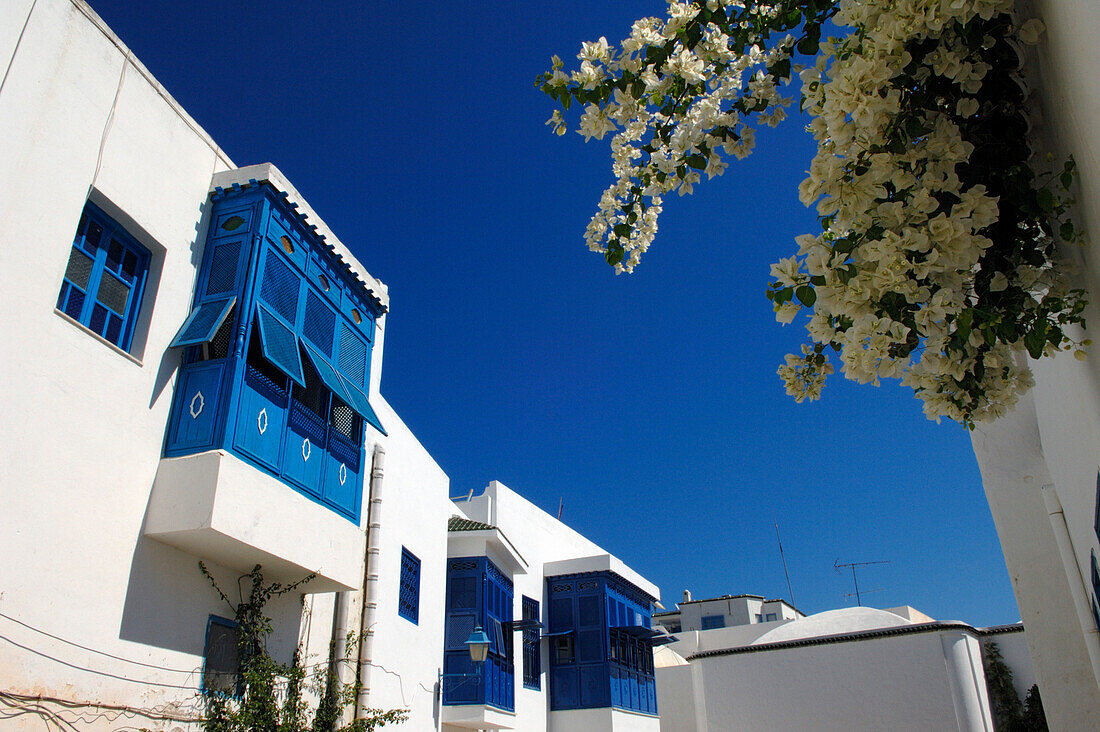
408	600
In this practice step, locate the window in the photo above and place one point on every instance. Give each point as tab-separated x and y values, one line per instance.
221	656
408	601
601	652
104	278
759	618
531	659
478	594
273	368
714	621
770	617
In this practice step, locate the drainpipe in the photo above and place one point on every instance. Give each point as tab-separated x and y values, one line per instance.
370	581
1074	577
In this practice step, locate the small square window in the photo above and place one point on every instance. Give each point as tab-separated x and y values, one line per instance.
713	621
221	656
770	617
408	602
104	278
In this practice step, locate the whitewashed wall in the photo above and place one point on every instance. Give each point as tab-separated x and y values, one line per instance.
925	681
83	423
1045	453
540	538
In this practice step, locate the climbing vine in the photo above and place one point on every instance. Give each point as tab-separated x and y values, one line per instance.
268	695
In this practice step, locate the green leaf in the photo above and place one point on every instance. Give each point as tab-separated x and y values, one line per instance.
1066	230
1035	339
1045	199
782	295
697	161
1067	179
614	253
566	101
806	295
622	230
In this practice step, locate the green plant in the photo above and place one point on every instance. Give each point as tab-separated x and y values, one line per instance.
263	680
1009	714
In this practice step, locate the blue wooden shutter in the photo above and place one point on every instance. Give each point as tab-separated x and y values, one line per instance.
203	323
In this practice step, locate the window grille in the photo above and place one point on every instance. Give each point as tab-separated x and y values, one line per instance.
532	671
320	323
463	566
107	261
279	288
353	356
223	269
408	602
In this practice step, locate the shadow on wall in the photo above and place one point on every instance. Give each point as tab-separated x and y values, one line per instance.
168	602
170	359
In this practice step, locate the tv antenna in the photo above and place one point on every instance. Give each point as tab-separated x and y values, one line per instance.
784	558
838	566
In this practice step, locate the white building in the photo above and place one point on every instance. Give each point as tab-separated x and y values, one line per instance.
725	612
192	373
1039	464
850	669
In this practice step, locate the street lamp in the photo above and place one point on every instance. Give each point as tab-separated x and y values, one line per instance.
478	646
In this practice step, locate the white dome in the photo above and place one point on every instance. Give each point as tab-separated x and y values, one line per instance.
833	622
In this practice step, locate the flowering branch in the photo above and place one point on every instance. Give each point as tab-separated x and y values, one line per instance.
937	260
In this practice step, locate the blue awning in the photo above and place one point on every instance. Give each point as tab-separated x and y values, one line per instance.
280	345
357	400
203	323
663	640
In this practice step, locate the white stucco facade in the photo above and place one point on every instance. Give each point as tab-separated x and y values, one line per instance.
536	546
854	668
103	610
1039	464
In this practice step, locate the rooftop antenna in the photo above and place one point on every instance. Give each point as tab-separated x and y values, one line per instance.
561	502
837	566
470	497
784	558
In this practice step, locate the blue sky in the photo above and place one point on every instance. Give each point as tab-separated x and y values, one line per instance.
647	403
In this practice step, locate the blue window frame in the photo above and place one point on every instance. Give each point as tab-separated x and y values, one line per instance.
221	657
104	278
478	593
276	353
714	621
408	600
532	661
601	653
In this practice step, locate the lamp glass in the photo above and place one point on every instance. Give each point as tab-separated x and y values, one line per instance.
478	644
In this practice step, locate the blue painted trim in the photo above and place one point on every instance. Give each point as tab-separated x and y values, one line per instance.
211	621
408	594
269	324
222	308
327	373
361	405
